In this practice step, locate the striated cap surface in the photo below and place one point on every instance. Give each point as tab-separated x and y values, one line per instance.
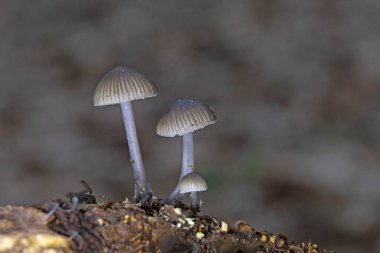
192	182
185	116
123	84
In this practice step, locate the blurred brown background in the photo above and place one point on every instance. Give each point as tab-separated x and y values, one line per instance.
295	86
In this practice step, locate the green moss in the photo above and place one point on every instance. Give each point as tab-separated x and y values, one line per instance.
252	166
214	176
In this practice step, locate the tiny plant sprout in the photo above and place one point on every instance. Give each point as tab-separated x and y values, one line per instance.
51	212
74	197
192	183
185	117
56	207
73	234
122	85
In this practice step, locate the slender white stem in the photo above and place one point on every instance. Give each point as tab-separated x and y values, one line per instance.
173	194
187	155
187	161
133	143
194	200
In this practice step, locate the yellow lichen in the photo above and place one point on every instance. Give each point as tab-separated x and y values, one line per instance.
224	227
151	220
147	227
140	226
272	239
199	235
35	243
132	218
182	221
100	221
178	211
190	221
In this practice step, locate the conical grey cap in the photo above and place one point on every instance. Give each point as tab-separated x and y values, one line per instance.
123	84
185	116
192	182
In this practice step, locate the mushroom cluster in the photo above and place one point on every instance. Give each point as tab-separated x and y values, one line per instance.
122	85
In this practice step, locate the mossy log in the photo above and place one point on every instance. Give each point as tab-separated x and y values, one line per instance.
127	227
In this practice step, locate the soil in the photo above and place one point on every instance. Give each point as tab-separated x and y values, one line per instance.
63	226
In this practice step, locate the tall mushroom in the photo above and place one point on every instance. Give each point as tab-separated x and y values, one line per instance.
184	117
193	182
122	85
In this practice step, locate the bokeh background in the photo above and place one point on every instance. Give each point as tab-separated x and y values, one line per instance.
295	86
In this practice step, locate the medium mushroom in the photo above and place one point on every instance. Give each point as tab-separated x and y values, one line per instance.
184	117
122	85
193	182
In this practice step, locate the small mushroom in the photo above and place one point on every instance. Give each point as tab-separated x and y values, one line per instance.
193	182
122	85
184	117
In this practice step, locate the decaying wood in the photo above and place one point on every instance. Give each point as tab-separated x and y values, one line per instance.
126	227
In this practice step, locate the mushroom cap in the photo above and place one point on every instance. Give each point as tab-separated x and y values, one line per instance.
122	84
192	182
185	116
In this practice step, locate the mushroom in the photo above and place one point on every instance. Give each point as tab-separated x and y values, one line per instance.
122	85
193	182
184	117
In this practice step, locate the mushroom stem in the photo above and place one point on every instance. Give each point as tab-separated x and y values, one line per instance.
187	164
187	155
143	192
194	201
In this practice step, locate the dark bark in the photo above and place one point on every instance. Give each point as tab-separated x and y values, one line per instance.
126	227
